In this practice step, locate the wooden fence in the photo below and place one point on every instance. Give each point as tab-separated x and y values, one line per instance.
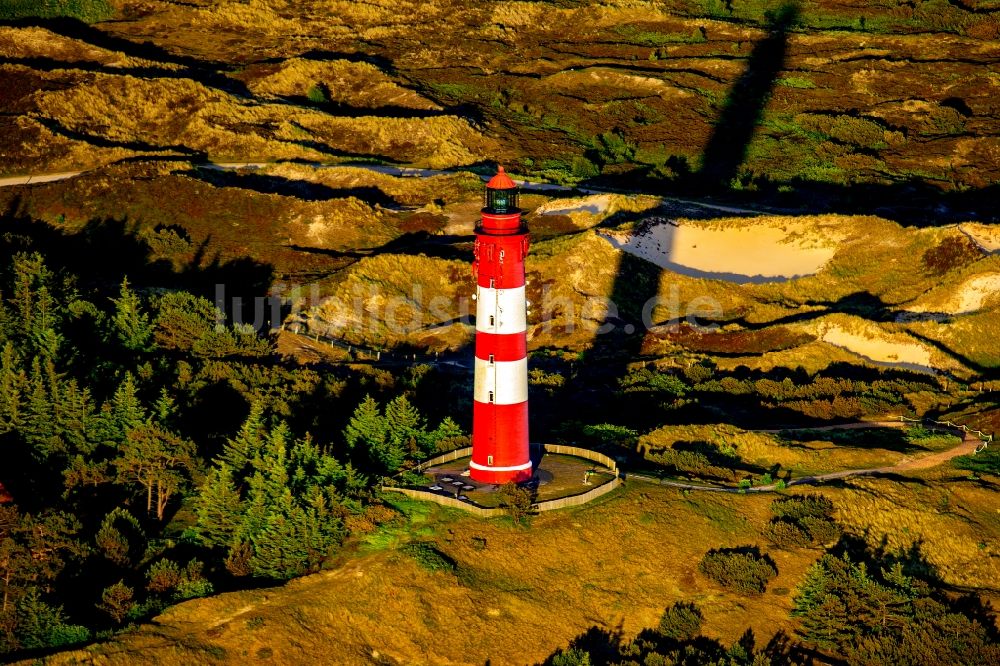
444	500
565	450
986	439
577	500
485	512
445	457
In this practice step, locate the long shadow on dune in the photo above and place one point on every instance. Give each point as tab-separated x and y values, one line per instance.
744	106
637	281
457	248
209	79
107	250
206	72
300	189
59	129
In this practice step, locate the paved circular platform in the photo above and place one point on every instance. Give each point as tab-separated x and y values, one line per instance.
554	476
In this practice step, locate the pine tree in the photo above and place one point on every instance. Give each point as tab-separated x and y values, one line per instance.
39	430
120	415
367	427
157	460
295	538
131	325
218	507
113	541
7	326
407	431
165	409
239	453
13	384
447	436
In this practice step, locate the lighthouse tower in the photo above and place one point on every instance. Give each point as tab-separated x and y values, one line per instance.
500	411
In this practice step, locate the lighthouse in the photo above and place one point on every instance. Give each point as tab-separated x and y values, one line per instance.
500	410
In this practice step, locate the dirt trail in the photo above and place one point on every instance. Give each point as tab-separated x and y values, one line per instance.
37	178
970	444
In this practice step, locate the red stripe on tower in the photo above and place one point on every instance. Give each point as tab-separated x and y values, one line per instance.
500	410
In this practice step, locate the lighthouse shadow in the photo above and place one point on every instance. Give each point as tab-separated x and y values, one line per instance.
617	352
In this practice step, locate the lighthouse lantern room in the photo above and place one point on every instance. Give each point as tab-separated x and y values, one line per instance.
500	412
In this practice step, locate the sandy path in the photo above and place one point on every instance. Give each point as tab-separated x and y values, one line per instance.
37	178
970	443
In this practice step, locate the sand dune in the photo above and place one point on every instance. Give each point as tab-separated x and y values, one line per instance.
880	349
968	297
771	250
986	236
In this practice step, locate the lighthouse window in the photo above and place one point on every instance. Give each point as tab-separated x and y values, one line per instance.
491	396
491	359
489	460
492	323
492	283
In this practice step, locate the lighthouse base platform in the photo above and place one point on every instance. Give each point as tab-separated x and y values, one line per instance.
553	476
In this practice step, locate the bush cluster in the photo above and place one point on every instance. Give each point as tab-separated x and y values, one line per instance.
429	557
743	570
802	521
89	11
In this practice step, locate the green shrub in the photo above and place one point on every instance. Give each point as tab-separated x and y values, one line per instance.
802	520
317	94
584	168
515	500
795	82
821	530
786	533
801	506
39	625
429	557
986	461
89	11
681	622
742	570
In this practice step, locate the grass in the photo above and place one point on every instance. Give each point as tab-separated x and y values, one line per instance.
88	11
617	563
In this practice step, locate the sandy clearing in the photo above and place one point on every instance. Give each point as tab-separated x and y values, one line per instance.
761	250
986	236
595	205
882	349
968	297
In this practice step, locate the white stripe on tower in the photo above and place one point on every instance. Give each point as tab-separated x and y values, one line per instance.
510	468
507	380
505	306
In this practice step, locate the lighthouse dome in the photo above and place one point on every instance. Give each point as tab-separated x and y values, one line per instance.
501	194
501	181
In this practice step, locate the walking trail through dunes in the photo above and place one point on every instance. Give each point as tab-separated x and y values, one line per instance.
738	250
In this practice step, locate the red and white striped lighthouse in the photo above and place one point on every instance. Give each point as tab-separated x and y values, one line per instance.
500	411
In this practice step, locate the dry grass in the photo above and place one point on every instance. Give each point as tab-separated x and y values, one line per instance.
766	450
357	84
954	526
615	564
387	300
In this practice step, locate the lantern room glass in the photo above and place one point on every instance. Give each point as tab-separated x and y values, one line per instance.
501	201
